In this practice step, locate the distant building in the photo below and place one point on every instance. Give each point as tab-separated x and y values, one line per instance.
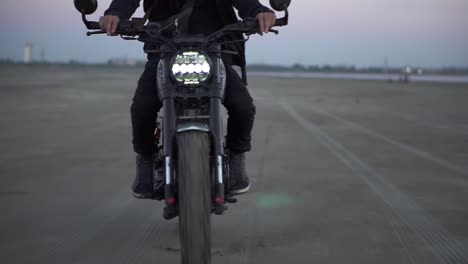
28	53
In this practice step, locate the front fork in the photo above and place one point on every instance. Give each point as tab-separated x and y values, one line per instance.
216	128
169	145
168	142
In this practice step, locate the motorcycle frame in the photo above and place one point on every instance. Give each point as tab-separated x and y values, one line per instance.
168	93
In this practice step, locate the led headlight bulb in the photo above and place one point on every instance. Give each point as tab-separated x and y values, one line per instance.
191	67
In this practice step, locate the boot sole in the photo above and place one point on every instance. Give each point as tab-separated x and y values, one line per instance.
142	196
240	191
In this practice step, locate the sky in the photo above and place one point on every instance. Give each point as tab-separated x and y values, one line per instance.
425	33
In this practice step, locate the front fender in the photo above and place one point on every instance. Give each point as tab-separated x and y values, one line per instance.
193	126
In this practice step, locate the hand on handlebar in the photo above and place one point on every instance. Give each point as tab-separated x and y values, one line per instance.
266	21
109	24
113	26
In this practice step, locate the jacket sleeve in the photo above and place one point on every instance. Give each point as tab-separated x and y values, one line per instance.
124	9
249	8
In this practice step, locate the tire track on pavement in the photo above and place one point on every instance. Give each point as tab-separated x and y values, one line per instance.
421	153
441	243
151	229
96	220
252	213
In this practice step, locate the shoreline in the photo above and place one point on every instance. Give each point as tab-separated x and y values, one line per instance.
459	79
429	78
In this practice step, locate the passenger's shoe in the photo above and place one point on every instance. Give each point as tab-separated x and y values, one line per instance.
239	183
142	187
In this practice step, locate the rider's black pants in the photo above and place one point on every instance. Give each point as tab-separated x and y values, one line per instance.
146	105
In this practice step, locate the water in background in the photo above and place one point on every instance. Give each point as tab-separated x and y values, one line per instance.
362	76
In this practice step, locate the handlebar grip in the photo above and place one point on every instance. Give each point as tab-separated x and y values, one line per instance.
280	22
93	25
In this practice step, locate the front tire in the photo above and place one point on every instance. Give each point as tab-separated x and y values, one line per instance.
194	197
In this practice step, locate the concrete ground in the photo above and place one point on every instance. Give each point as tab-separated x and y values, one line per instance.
342	172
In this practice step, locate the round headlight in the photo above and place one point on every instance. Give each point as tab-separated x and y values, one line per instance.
191	67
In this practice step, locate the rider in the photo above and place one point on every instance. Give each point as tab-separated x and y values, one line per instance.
207	16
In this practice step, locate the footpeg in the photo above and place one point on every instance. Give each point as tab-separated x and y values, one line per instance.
158	196
219	209
230	199
170	212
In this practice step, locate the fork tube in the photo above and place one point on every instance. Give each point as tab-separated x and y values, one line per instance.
168	144
216	130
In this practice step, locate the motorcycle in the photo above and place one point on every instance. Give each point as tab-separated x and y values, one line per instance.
192	161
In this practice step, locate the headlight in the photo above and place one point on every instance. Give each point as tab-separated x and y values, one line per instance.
191	67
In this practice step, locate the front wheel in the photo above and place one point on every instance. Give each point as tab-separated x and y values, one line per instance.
194	197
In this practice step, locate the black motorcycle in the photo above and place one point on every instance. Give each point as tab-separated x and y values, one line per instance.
192	162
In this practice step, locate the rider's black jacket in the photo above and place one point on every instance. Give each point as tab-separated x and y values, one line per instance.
226	15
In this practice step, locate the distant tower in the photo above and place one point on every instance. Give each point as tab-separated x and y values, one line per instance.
28	53
386	65
42	55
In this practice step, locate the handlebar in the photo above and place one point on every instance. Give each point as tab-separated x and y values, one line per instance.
129	29
93	25
124	28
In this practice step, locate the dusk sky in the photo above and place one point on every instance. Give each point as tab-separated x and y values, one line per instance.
427	33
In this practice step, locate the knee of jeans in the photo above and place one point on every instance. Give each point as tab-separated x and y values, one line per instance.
244	110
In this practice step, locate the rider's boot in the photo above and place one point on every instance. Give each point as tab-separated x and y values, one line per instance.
142	186
239	182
